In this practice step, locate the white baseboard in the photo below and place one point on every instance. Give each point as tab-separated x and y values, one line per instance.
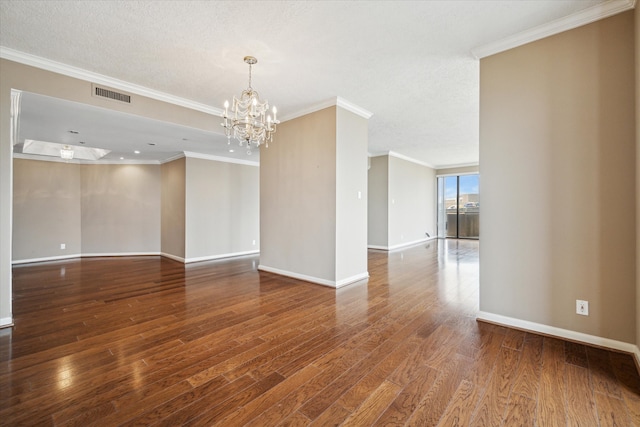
212	257
173	257
401	245
382	248
45	259
316	280
352	279
93	255
6	322
561	333
116	254
124	254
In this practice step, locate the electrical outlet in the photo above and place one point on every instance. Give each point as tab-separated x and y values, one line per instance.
253	243
582	307
63	246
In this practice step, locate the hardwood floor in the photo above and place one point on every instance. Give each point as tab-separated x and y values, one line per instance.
147	340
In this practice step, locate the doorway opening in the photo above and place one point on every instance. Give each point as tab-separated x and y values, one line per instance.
459	206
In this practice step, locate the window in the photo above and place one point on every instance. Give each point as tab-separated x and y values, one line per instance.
459	206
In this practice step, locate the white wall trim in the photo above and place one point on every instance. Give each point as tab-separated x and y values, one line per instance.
173	257
125	254
420	162
442	175
401	245
220	256
312	279
337	101
45	259
378	247
220	159
6	322
90	255
584	17
90	76
56	159
311	109
352	279
355	109
136	162
410	159
329	283
560	333
172	158
459	165
118	254
413	243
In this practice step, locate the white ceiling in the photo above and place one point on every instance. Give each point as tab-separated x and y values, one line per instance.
410	63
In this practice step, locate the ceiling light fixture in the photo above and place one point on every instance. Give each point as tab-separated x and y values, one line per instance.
66	152
251	123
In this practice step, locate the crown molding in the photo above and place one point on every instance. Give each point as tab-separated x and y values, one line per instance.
311	109
335	101
136	162
172	158
459	165
584	17
190	154
410	159
83	162
90	76
355	109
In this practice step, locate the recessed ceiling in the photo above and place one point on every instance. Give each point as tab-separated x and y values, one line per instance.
410	63
59	121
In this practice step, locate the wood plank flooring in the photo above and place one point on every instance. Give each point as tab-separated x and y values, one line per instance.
150	341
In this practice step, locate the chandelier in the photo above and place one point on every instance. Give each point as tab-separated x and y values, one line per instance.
250	121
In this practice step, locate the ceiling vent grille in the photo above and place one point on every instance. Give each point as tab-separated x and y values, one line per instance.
110	94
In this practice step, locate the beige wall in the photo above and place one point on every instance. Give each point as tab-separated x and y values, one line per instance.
120	209
298	197
189	209
222	208
173	208
402	202
351	195
92	209
378	200
557	146
47	208
412	202
312	223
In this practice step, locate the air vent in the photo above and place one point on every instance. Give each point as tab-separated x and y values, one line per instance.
110	94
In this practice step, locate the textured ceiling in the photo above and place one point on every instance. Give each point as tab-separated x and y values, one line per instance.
409	63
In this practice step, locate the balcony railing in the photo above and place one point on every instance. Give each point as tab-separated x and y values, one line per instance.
468	222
